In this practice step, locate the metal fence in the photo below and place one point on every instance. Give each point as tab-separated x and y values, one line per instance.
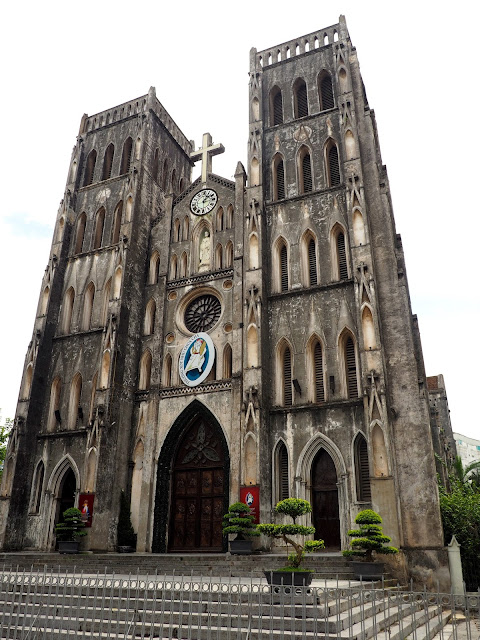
49	605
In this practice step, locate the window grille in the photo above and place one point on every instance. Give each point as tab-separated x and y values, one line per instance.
362	469
126	156
287	378
334	169
302	102
312	262
326	93
278	108
283	491
202	313
307	173
318	366
342	257
283	268
280	181
351	369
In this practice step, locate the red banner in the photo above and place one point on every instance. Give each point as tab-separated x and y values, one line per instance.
251	496
85	504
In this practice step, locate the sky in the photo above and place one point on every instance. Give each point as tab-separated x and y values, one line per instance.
63	59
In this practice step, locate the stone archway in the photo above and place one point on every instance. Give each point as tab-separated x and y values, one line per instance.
325	508
192	484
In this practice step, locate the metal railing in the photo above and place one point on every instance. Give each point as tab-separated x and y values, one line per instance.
48	605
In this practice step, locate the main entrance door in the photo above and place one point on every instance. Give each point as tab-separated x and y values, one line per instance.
326	518
198	490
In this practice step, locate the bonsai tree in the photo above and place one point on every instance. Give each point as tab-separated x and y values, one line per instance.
369	537
72	527
126	536
293	507
239	520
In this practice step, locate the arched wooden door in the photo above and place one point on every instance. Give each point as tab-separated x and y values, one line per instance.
325	509
198	489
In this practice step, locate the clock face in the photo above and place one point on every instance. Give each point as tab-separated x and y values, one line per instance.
203	202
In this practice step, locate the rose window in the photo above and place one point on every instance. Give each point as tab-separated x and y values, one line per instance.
202	313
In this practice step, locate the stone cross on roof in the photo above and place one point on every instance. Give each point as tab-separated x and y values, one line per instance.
205	153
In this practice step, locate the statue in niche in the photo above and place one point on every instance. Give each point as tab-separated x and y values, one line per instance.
205	251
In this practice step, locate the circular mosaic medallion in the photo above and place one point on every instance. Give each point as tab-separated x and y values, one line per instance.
202	313
196	359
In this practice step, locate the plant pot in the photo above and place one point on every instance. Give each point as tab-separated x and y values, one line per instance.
125	549
368	570
68	546
241	547
295	578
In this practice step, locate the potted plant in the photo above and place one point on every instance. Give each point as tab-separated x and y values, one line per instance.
367	539
239	520
293	573
126	536
68	531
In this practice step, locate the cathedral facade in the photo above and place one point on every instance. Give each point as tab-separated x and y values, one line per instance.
200	342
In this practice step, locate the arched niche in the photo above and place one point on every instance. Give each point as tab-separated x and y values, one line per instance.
350	146
380	458
117	282
254	172
250	462
105	370
255	109
368	328
358	228
253	251
252	347
91	471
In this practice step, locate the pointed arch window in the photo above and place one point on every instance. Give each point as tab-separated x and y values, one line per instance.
68	310
117	283
88	307
282	480
183	265
283	267
99	225
126	156
81	224
176	231
117	221
105	371
287	377
90	168
186	228
350	368
106	301
319	383
325	91
278	178
341	256
173	267
229	217
228	256
167	371
300	99
36	497
154	270
218	256
227	362
220	219
74	401
44	300
27	384
108	162
362	470
276	106
145	371
333	166
54	408
312	262
305	171
149	322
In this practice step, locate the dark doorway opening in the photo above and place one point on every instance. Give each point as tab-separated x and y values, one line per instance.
326	519
66	496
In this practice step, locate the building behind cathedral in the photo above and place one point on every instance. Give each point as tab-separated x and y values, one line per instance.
199	341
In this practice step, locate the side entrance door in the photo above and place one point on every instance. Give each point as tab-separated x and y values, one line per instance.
326	519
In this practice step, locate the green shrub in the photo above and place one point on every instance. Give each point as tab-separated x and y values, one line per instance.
239	520
72	526
126	536
369	537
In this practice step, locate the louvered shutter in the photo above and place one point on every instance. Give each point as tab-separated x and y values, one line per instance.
307	173
333	166
342	257
283	491
280	181
302	103
318	366
278	109
351	369
326	93
283	268
312	262
363	472
287	378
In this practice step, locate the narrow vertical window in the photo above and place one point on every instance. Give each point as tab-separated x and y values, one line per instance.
307	184
145	371
312	262
99	224
362	471
282	467
351	369
167	371
90	168
342	257
108	162
326	92
227	361
276	106
283	268
82	221
149	322
287	377
38	488
74	402
279	180
117	221
126	156
300	99
318	373
68	310
88	307
333	166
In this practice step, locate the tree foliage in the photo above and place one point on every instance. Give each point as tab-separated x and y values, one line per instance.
368	537
239	520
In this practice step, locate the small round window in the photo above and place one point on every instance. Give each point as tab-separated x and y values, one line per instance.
202	313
